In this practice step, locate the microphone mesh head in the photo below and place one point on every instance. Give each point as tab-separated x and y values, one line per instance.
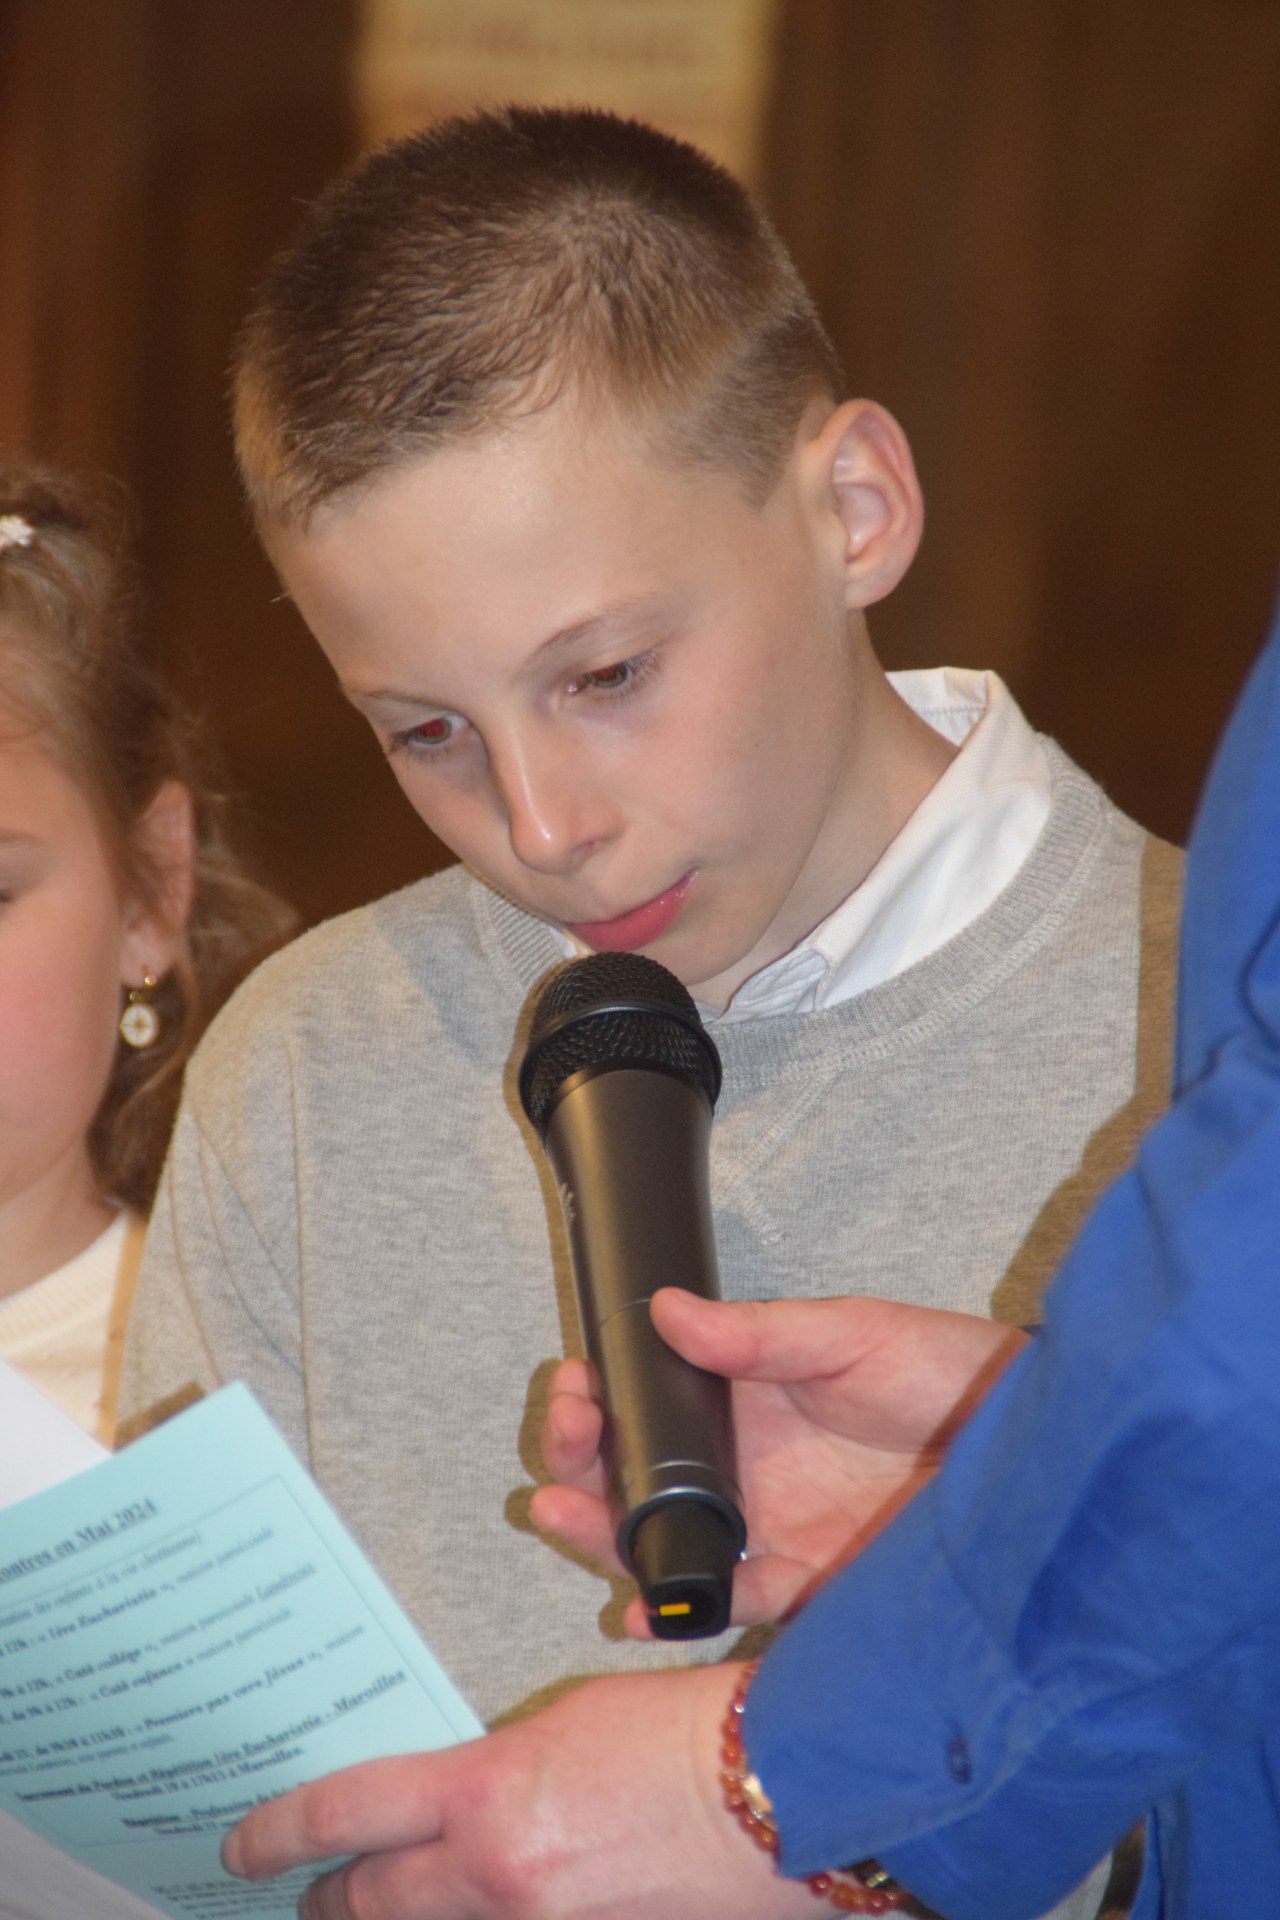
614	1010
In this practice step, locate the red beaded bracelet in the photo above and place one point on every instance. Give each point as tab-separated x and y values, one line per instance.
865	1888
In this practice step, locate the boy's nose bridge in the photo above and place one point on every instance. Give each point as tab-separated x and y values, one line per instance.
553	813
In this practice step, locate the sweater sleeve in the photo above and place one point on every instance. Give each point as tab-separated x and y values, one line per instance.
1081	1610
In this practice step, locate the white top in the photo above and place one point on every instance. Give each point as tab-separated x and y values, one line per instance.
58	1331
961	847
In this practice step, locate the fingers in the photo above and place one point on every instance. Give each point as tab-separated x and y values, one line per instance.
635	1621
766	1589
778	1340
572	1429
941	1363
377	1805
763	1589
577	1518
572	1377
326	1898
413	1883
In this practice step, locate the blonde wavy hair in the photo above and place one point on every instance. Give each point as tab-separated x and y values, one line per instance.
73	669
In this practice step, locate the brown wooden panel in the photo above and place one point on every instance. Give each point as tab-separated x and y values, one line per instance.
19	226
1045	236
152	156
73	165
252	117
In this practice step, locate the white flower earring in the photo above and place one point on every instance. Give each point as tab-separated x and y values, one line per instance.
140	1023
15	531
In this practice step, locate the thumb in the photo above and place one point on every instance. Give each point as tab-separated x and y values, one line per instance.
777	1340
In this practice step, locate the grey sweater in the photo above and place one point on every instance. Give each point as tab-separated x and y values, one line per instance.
356	1219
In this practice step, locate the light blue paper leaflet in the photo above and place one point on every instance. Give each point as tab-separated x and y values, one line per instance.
187	1629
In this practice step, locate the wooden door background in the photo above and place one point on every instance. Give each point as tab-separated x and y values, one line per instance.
1045	236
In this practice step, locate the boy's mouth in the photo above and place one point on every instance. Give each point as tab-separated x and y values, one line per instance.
638	926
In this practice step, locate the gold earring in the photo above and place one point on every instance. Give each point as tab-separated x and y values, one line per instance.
140	1023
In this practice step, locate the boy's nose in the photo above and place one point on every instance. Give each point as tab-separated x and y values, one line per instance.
555	816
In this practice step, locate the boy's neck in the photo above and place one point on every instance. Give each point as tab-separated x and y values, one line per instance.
897	760
912	758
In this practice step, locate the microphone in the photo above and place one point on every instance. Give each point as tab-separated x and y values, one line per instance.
619	1081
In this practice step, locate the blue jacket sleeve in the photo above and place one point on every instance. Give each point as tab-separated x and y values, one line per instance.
1082	1609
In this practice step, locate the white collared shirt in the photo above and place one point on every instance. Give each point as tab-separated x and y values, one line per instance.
961	847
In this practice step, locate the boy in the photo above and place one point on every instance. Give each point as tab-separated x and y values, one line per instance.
545	439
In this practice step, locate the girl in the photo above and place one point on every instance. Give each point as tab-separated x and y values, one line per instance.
123	923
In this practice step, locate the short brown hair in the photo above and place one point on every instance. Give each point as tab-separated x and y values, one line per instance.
72	668
461	277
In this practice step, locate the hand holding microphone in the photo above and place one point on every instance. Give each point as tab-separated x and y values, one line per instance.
619	1080
842	1409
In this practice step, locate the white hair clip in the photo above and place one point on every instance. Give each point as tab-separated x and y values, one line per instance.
15	531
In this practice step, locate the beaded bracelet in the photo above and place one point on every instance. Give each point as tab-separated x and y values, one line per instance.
864	1888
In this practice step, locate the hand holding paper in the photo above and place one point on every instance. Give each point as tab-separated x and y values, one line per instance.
185	1629
604	1805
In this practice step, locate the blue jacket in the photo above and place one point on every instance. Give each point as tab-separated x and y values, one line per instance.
1079	1620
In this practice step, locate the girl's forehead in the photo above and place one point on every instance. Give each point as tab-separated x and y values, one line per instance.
33	681
57	727
20	725
41	791
29	760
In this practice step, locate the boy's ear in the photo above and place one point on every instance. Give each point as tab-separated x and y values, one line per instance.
864	468
167	842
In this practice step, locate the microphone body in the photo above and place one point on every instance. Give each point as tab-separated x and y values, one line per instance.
620	1080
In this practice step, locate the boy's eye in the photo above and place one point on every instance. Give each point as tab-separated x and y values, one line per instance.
428	734
605	679
623	676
